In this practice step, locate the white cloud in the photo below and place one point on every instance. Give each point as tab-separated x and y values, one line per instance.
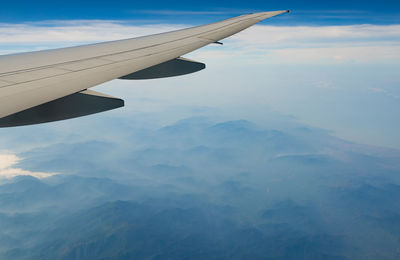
295	35
276	44
322	44
324	84
8	170
385	92
62	32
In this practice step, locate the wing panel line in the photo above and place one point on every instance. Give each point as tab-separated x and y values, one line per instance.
199	35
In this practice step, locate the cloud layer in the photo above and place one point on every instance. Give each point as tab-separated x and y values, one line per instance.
8	170
282	44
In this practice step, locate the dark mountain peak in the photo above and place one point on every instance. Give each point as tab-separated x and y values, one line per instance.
25	178
187	124
235	126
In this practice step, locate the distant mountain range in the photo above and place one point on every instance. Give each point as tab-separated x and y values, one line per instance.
204	190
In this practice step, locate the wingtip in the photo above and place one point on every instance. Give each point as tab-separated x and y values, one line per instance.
283	11
266	15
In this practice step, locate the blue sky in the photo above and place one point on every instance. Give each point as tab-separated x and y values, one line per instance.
323	12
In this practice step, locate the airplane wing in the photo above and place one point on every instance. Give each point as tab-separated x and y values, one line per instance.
52	85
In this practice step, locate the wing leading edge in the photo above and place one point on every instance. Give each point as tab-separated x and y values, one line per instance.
35	79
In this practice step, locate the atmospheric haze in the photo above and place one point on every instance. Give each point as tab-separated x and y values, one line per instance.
278	150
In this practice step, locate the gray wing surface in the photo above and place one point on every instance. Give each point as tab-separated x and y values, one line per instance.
34	79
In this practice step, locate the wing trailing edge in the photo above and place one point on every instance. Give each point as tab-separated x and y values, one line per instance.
76	105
